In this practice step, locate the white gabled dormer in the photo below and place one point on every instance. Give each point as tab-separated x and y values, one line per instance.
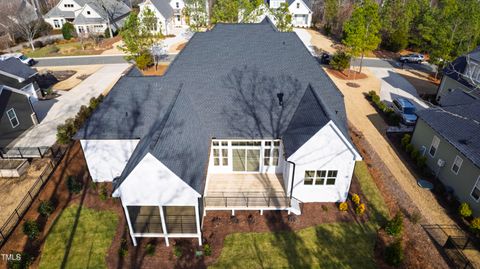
68	5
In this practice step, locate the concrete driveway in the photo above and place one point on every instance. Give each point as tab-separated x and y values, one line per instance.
52	113
394	85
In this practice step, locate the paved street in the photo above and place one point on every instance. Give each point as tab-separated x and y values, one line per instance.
53	112
88	60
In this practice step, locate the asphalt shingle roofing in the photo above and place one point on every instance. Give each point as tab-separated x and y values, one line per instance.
15	67
456	69
163	6
224	84
459	125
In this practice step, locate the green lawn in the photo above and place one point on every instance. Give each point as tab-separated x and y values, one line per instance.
337	245
67	49
90	240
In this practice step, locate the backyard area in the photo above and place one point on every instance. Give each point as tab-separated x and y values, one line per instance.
320	246
83	235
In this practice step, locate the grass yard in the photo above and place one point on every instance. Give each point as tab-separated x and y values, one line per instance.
336	245
67	49
87	244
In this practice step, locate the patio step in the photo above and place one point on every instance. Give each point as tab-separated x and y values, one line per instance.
295	207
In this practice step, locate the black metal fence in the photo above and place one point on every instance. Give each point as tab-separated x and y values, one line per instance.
452	240
24	152
15	217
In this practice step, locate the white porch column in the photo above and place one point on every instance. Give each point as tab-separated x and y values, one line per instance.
164	225
199	232
130	229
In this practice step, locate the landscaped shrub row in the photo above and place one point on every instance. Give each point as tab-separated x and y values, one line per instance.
419	160
66	131
359	207
466	213
392	117
394	252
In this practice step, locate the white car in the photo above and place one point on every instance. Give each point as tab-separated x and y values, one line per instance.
412	58
24	59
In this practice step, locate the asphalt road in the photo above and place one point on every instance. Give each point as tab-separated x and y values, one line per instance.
86	60
389	63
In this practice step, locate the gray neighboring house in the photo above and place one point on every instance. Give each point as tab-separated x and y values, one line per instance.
463	74
449	137
17	75
17	114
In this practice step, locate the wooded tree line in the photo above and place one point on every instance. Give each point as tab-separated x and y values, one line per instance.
445	29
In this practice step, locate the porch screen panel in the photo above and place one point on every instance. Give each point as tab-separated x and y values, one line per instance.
239	160
180	219
253	160
145	219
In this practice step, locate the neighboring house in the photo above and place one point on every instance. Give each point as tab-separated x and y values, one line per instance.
163	12
97	15
301	11
17	75
64	11
244	119
463	74
88	16
169	14
16	114
449	137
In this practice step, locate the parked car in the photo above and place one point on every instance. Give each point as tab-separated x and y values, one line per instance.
412	58
24	59
405	109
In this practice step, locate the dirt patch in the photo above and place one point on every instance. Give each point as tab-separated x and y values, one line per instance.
155	71
48	78
181	46
347	74
79	74
13	190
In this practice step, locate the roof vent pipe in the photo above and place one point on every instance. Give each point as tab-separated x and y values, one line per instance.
280	98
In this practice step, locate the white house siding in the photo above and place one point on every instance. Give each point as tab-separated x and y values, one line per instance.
151	183
61	6
326	150
165	25
179	19
106	159
301	14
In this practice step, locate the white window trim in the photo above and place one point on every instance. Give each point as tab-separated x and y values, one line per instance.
435	140
324	178
457	158
14	117
475	186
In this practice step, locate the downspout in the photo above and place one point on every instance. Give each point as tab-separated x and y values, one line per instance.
293	177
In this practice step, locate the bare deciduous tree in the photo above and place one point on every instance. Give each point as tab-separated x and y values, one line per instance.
23	22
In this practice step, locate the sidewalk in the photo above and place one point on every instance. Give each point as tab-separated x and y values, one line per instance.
54	112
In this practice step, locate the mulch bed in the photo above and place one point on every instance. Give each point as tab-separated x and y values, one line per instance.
420	250
55	190
217	224
347	74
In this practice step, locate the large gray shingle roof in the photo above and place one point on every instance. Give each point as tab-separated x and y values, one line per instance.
15	67
224	84
459	125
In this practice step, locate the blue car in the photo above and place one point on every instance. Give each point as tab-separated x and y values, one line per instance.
406	110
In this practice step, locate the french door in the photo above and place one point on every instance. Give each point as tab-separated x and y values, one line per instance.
246	160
